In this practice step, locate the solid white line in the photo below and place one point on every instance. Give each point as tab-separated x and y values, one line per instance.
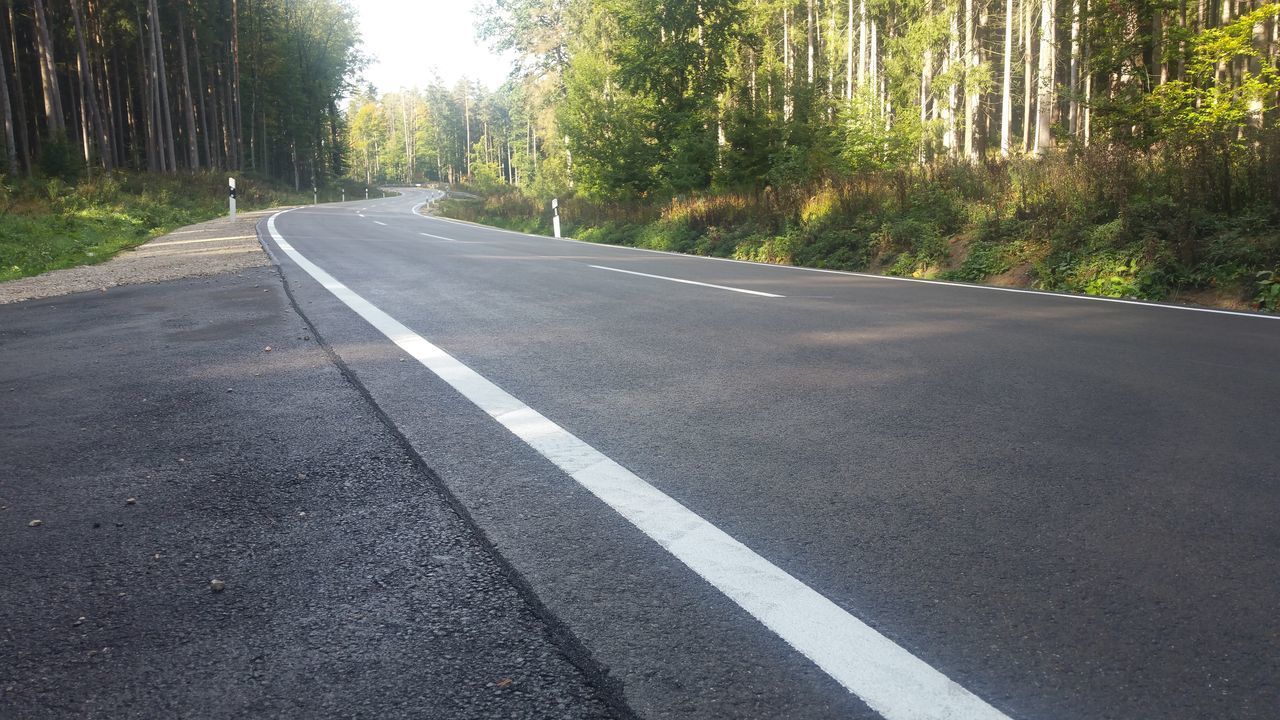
888	678
378	222
870	276
438	237
688	282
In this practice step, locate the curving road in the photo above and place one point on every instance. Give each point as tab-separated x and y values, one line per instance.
757	491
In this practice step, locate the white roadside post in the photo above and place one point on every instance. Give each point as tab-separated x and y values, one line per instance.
555	215
344	194
231	195
366	193
315	196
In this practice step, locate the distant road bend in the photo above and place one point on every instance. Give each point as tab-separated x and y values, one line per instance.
759	491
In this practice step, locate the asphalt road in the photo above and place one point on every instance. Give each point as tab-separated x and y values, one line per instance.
161	446
1067	507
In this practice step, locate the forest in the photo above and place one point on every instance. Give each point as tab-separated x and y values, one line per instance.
176	85
124	117
1118	147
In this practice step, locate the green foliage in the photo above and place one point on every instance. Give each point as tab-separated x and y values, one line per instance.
984	260
59	159
1268	297
1201	110
56	225
608	130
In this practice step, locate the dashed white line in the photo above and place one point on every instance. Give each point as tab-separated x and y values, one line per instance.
688	282
870	276
888	678
378	222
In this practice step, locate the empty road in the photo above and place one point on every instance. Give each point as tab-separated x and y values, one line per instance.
758	491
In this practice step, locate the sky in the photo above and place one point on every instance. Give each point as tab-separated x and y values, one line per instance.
410	40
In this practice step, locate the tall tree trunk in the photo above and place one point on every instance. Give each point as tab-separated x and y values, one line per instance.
89	92
466	107
1028	75
10	145
55	120
832	49
105	86
1160	69
1045	86
237	124
145	49
787	74
202	106
873	62
1073	73
809	33
19	95
188	100
225	115
115	104
165	115
1006	82
970	81
951	132
1088	75
848	70
862	43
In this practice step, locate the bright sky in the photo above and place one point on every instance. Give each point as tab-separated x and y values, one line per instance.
411	40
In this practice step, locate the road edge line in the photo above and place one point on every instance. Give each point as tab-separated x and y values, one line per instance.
888	678
558	632
869	276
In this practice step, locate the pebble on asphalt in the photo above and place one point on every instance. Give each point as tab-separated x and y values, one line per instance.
131	501
35	523
217	585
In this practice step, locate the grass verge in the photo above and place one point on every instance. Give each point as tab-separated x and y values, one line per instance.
47	225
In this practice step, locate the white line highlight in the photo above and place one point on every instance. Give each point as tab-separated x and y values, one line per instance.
201	240
378	222
688	282
888	678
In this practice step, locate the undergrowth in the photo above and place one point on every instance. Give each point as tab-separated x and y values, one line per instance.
1098	223
48	224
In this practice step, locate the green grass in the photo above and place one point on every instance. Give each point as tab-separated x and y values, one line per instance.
47	225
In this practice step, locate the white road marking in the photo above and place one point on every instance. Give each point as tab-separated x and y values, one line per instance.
870	276
198	252
688	282
378	222
438	237
202	240
888	678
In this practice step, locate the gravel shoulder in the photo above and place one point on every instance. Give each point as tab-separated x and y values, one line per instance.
161	446
214	247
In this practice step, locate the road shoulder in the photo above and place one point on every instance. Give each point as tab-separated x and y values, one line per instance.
167	435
